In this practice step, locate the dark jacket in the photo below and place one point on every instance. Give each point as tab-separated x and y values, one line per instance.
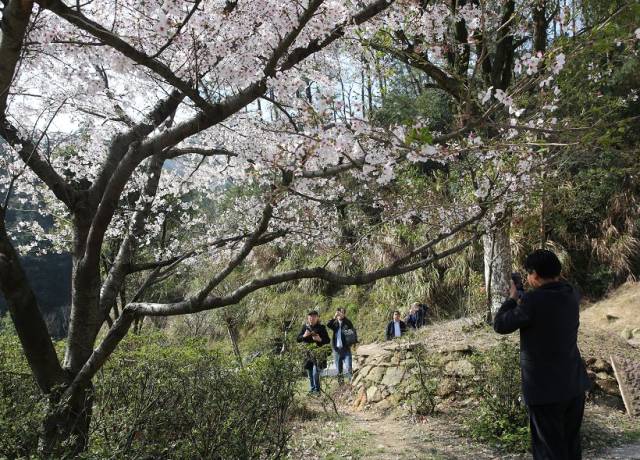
334	324
324	336
415	320
389	333
550	362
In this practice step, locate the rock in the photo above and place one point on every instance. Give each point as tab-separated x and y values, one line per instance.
604	376
626	334
364	371
459	368
395	399
636	332
372	349
457	347
373	394
393	376
600	365
610	387
446	388
635	342
361	399
376	374
384	405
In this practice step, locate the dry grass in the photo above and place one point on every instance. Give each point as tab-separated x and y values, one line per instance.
619	311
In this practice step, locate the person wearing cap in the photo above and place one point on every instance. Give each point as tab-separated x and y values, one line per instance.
314	332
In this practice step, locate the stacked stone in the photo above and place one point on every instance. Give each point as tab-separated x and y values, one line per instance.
387	375
632	336
602	375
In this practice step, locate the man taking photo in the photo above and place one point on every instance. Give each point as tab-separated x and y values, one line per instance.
554	377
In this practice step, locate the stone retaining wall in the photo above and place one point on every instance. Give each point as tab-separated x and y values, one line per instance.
386	373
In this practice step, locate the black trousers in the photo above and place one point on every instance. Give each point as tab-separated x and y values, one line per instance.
555	429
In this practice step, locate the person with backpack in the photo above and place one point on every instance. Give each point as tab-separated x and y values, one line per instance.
314	332
344	336
415	319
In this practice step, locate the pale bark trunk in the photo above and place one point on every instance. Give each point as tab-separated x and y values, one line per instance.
497	266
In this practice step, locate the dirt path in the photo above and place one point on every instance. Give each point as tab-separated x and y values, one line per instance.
432	438
437	439
369	435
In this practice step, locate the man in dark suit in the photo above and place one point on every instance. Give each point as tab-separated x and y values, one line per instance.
396	327
554	377
314	332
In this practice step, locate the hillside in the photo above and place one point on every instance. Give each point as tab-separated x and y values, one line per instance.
378	420
617	316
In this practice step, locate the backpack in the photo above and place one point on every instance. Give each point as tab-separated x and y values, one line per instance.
350	336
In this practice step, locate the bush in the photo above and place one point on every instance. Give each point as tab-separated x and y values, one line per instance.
428	370
186	401
501	419
161	398
21	403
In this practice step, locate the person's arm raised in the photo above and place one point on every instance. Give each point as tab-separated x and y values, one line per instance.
512	316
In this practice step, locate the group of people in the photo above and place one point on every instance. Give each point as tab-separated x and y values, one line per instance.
415	319
344	337
554	377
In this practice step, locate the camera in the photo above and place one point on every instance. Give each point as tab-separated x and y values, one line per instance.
517	281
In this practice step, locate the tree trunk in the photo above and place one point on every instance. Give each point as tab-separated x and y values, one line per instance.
86	318
66	426
233	336
497	265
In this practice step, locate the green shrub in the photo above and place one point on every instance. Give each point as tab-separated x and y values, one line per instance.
427	372
21	403
501	419
161	398
182	400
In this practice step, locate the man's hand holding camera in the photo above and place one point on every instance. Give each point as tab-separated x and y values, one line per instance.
314	335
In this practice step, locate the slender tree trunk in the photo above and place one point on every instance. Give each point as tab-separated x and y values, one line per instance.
497	265
233	336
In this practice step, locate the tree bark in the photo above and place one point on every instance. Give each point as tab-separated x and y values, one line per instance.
497	265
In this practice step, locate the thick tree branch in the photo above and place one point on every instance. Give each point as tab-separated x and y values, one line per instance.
119	270
447	83
248	246
27	319
134	310
301	53
28	152
188	306
121	142
15	22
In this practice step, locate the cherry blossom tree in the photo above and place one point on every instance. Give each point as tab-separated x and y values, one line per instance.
166	135
493	62
124	121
